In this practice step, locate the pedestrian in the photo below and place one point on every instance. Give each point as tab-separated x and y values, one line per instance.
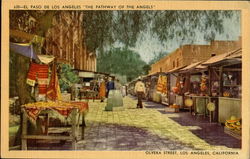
110	85
140	91
102	90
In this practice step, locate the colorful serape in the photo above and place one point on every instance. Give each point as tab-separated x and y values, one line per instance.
53	91
39	72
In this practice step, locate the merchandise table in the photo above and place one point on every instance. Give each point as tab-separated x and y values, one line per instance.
199	104
31	111
89	94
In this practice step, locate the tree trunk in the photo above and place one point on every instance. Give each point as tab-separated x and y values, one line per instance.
23	90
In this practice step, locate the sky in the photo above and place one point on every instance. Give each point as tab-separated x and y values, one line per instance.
148	46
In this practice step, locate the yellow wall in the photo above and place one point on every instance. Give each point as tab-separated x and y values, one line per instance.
187	54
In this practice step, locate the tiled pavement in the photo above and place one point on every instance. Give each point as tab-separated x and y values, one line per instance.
140	129
212	133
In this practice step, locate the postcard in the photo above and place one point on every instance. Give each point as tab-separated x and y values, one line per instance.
127	79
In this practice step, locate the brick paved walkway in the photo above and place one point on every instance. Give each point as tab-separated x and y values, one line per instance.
138	129
212	133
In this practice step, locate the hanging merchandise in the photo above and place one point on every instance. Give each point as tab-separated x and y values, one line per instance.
165	84
25	49
31	79
53	91
102	90
187	84
42	78
177	87
162	84
46	59
203	85
40	73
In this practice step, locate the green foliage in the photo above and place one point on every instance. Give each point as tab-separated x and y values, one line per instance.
67	77
43	18
121	61
103	28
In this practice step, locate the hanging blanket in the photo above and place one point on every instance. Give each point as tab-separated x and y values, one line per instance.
53	91
162	84
39	72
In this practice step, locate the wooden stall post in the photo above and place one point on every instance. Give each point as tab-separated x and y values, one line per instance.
83	124
73	135
46	123
221	81
24	131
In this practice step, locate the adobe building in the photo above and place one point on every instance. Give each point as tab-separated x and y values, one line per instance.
188	54
65	39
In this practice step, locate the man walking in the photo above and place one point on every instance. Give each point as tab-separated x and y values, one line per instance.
140	91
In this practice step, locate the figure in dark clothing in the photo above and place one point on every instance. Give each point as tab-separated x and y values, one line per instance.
110	86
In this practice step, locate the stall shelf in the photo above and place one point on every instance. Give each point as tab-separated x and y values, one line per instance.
199	104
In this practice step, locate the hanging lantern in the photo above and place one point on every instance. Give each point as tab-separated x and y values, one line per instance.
189	102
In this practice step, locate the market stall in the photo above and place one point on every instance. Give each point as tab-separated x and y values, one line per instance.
175	86
195	87
131	86
226	72
163	87
89	85
48	102
32	111
154	95
157	87
43	80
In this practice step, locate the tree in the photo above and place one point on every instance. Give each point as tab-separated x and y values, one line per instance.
106	27
103	28
121	61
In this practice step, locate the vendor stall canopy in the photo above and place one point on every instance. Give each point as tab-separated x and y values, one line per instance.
196	65
226	57
26	49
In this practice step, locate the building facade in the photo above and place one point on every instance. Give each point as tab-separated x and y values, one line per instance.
65	40
188	54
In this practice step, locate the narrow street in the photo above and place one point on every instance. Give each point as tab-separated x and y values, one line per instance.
150	128
123	77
